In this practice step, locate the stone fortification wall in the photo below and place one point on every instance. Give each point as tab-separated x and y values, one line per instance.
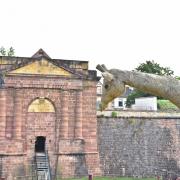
139	144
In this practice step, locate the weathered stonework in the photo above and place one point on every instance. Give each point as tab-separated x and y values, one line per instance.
36	101
139	144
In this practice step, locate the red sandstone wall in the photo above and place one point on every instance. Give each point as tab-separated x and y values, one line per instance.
70	131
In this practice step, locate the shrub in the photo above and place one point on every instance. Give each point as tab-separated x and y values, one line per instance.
114	114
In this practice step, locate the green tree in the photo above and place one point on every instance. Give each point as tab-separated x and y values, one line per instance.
154	68
2	51
7	52
148	67
135	94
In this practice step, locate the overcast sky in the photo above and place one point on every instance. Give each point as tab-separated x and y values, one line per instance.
119	33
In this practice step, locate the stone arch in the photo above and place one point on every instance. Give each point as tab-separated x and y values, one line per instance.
41	104
41	117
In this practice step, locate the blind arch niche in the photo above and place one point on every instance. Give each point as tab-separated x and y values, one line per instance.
41	105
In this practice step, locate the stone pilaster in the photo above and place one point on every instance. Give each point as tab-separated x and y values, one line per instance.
64	122
18	114
9	110
2	112
78	115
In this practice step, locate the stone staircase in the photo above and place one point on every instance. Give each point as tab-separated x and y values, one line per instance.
42	166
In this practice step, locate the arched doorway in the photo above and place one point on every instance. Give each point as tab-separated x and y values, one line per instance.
40	144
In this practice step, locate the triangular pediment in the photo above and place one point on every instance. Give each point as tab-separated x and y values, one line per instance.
41	67
41	53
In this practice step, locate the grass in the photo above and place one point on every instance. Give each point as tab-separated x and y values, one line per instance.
113	178
166	105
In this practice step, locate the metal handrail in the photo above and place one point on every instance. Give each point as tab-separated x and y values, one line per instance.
47	160
35	162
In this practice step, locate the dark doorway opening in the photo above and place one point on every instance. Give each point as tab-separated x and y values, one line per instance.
40	144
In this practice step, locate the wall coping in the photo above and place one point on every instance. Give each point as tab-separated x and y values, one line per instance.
140	114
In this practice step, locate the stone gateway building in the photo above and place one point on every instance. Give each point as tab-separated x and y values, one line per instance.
47	117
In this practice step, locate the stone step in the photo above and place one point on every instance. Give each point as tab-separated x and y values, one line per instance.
42	165
41	160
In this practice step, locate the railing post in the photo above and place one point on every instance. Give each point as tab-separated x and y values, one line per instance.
90	177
